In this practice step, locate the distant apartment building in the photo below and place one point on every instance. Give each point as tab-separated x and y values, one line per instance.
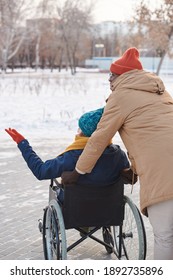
107	28
41	24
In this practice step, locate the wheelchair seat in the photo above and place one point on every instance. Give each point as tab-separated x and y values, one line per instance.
92	205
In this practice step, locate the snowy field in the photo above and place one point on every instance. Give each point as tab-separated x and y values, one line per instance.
47	105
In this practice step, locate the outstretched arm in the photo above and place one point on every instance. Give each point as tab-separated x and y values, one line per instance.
49	169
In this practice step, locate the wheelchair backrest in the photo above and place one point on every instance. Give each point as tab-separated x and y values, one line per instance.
86	205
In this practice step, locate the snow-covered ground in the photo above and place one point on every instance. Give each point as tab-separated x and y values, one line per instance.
47	105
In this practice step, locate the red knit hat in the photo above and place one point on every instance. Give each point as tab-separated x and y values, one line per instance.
129	61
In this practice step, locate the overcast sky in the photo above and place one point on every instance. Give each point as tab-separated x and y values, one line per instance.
118	10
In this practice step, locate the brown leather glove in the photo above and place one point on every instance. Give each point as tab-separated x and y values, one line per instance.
69	177
129	177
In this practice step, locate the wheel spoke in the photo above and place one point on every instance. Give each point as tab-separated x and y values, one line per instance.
133	233
54	238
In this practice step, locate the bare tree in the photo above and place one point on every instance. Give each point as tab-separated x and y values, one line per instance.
158	27
12	14
46	33
75	19
57	28
51	46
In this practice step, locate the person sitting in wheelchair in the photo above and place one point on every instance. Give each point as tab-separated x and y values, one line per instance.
111	164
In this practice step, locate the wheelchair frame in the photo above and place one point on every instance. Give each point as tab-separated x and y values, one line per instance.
123	235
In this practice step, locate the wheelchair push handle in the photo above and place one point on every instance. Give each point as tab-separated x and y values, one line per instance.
54	184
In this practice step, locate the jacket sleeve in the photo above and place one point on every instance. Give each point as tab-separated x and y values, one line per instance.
110	123
49	169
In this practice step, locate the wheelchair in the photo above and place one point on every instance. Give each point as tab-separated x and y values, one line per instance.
104	208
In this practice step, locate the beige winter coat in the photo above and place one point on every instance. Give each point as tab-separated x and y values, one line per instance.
142	111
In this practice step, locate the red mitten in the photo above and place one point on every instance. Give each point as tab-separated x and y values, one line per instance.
16	136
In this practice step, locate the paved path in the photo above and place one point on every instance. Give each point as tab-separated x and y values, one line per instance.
22	199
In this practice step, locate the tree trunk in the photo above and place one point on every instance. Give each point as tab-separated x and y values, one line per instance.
37	58
160	62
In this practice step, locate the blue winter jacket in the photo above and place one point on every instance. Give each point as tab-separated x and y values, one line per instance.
106	170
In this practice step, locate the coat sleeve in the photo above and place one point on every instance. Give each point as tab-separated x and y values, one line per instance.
49	169
110	123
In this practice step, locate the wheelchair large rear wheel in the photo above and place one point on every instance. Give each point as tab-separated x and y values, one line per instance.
54	237
133	242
